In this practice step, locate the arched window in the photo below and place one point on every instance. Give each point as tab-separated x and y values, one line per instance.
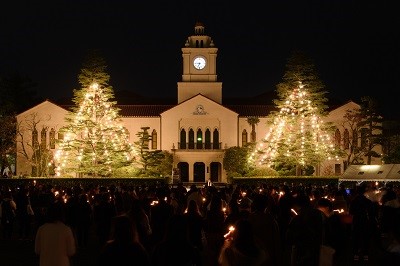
154	140
43	135
52	137
337	138
60	135
191	139
216	139
35	140
207	139
182	143
199	139
244	137
346	139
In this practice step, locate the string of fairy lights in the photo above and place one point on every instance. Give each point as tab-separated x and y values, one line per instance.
95	138
296	132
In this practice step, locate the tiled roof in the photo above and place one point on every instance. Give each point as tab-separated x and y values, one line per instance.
251	110
143	110
153	110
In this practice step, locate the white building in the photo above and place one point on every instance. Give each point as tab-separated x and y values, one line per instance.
196	130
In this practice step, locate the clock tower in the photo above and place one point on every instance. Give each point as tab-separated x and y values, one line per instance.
199	68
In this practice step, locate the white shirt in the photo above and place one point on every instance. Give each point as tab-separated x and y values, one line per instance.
55	244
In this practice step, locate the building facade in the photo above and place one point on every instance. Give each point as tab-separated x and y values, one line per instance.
197	130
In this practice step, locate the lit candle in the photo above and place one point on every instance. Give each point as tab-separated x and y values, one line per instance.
231	229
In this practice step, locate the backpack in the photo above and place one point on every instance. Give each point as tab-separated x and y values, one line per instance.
7	213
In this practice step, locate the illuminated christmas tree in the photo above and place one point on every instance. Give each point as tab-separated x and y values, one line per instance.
298	135
94	140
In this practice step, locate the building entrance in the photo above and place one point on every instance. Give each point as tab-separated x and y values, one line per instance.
215	171
199	174
183	171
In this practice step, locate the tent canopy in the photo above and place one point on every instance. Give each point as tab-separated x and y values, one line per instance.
379	173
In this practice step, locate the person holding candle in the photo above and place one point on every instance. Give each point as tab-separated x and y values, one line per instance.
240	248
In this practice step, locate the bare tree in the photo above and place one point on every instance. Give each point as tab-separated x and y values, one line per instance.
36	153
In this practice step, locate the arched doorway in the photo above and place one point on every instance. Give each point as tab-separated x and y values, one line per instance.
199	173
215	171
183	171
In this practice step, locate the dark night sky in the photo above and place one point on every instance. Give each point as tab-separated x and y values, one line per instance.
355	46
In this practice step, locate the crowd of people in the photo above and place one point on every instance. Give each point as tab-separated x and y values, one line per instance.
230	225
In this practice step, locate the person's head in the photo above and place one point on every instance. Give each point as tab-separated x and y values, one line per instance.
245	204
243	237
55	212
260	202
361	189
176	229
233	207
7	194
325	205
243	231
302	200
216	203
123	229
83	198
192	207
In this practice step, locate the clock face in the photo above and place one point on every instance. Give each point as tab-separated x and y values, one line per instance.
199	63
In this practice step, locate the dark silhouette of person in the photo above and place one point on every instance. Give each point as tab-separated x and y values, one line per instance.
8	208
175	248
364	219
284	214
84	219
142	222
103	211
124	248
214	226
159	214
24	219
304	233
266	229
195	224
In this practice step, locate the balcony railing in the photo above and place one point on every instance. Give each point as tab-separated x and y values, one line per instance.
199	146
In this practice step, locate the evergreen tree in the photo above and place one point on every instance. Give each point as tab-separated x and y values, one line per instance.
371	128
236	160
353	153
95	142
298	135
149	160
253	121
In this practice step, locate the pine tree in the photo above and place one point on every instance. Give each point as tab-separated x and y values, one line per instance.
371	127
148	159
298	135
95	142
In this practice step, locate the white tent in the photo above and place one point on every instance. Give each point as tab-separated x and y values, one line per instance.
377	173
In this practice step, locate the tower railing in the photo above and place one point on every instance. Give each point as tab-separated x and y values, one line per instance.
199	146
